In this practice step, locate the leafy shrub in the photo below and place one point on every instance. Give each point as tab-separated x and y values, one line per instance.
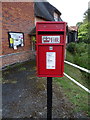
79	54
71	47
81	48
77	48
81	60
69	57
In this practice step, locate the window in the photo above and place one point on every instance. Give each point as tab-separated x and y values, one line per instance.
56	17
33	42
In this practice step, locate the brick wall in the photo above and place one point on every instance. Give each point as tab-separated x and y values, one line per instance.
17	17
37	19
17	57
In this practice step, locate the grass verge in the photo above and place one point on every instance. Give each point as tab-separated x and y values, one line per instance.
77	74
77	96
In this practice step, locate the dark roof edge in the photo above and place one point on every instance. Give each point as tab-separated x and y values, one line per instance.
45	10
56	10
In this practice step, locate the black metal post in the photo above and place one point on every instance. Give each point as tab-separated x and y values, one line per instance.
49	98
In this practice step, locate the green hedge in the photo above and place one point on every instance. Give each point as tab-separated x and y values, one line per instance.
78	54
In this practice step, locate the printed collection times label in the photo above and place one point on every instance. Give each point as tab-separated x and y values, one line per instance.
50	60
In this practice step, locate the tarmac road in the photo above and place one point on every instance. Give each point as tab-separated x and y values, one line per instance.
24	95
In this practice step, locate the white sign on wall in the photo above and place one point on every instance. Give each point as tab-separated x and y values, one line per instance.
16	39
50	60
50	39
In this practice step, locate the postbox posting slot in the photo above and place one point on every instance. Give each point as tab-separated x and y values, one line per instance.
50	32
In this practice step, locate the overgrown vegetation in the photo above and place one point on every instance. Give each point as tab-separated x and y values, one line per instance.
78	53
83	31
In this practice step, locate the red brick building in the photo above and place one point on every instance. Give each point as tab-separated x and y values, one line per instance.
20	17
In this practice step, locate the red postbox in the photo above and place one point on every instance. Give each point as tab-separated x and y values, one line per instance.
50	38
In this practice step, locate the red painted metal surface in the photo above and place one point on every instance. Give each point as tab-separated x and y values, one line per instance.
50	43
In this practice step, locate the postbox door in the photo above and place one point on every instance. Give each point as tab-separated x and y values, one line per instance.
50	60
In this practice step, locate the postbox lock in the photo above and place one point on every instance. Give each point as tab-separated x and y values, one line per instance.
51	48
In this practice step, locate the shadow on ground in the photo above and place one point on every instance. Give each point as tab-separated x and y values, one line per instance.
25	96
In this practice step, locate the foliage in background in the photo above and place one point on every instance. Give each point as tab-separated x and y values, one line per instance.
77	48
83	34
71	47
78	53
